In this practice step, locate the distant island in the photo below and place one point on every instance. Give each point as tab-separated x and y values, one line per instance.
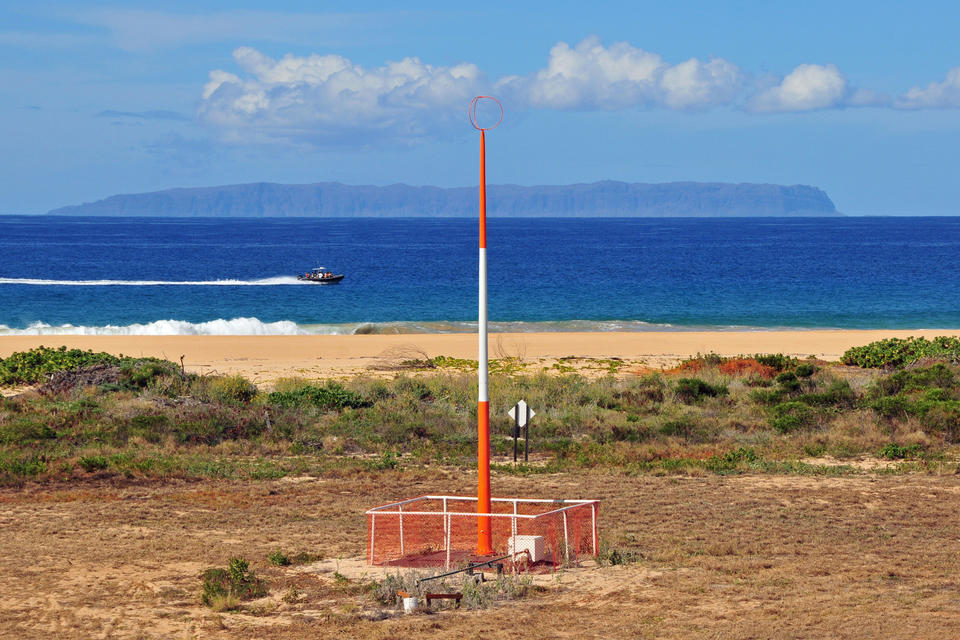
597	199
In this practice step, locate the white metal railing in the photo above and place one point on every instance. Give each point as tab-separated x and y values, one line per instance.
397	509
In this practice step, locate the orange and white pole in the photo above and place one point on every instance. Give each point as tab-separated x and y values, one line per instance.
484	532
484	537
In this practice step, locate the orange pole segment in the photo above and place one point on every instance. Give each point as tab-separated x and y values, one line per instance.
484	533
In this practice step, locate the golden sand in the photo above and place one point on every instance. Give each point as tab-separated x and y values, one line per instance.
265	358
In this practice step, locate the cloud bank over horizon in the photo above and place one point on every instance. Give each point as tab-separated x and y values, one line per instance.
590	76
330	100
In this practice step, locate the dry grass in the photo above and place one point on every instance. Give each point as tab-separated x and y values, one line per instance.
864	556
226	602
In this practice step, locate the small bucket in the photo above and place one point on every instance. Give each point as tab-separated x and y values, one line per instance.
410	605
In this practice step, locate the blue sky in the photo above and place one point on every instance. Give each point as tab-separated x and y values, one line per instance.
861	99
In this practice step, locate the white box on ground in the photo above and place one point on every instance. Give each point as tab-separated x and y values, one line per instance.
534	545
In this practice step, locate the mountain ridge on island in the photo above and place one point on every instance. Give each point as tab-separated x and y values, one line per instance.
607	198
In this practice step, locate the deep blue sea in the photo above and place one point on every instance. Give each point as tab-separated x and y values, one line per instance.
166	276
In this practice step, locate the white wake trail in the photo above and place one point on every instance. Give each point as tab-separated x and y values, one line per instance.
263	282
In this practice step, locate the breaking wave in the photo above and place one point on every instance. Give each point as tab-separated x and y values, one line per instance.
256	327
219	327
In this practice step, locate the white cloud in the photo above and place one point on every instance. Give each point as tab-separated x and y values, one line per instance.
936	95
328	98
697	84
591	76
808	87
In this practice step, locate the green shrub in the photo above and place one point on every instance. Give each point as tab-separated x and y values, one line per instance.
36	365
377	391
768	396
942	417
788	381
682	427
388	460
236	580
629	433
939	375
805	370
331	396
278	558
206	424
837	394
22	467
414	387
231	389
26	428
149	426
892	406
476	594
619	556
143	372
93	463
731	460
481	595
893	451
702	361
927	394
690	390
791	416
896	352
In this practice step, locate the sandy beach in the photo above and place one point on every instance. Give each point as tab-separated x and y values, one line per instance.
266	358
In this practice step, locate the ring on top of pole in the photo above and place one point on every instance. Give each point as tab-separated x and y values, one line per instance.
472	111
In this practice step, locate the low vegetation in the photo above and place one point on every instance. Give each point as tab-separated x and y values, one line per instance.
896	352
36	365
97	414
476	594
225	589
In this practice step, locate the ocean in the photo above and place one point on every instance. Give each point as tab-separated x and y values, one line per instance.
63	275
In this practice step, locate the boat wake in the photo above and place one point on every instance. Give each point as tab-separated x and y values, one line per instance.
262	282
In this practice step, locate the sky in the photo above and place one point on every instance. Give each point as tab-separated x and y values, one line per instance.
861	99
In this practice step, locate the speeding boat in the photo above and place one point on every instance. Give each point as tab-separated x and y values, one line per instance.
320	275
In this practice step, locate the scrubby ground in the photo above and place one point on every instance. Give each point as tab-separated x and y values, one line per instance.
148	419
747	556
754	497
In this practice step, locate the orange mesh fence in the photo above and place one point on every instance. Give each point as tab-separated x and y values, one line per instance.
441	531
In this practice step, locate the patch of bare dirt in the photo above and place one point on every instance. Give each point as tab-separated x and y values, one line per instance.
9	392
866	556
865	463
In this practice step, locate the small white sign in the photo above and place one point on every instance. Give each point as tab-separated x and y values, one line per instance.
521	413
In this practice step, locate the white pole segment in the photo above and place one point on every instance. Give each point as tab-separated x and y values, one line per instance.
482	352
